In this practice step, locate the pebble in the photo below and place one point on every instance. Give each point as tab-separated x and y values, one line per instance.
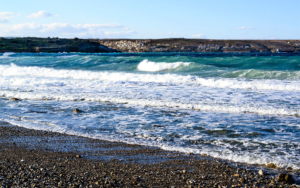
42	168
285	178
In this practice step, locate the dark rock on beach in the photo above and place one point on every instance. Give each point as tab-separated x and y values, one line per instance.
285	178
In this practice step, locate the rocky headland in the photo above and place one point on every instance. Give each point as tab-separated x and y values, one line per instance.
32	44
51	45
202	45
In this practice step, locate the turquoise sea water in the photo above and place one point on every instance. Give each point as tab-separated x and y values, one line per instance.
241	107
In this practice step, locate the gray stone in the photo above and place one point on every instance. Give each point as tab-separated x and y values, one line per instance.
14	99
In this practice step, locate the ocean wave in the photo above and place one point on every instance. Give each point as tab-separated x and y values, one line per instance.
67	56
31	73
223	110
262	74
7	54
150	66
234	83
69	94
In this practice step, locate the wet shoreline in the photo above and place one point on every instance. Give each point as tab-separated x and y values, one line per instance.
34	158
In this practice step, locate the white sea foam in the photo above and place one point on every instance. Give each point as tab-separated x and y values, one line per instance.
234	83
150	66
67	56
133	96
218	95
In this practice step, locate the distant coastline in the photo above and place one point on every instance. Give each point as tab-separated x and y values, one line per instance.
54	45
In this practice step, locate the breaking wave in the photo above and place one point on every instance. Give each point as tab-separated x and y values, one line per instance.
150	66
13	71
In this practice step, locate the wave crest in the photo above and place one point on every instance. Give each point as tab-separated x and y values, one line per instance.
150	66
7	54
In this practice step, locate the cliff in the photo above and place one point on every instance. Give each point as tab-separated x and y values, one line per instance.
31	44
202	45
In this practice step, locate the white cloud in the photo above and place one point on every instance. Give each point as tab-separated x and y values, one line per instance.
18	28
244	28
5	16
40	14
54	27
65	30
199	36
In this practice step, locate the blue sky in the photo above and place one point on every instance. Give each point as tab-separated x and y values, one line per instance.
214	19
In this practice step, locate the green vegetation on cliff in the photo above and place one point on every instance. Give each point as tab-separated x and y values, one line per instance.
31	44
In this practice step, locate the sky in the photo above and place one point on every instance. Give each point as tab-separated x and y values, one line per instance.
141	19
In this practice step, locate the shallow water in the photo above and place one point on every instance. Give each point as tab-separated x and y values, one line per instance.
241	107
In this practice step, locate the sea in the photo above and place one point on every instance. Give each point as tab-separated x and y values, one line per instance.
242	107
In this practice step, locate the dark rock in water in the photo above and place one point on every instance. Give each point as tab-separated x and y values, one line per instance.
155	125
14	99
272	165
285	178
76	110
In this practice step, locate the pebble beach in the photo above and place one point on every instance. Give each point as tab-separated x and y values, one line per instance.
35	158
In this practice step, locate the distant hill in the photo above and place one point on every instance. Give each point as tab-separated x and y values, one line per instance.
201	45
32	44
